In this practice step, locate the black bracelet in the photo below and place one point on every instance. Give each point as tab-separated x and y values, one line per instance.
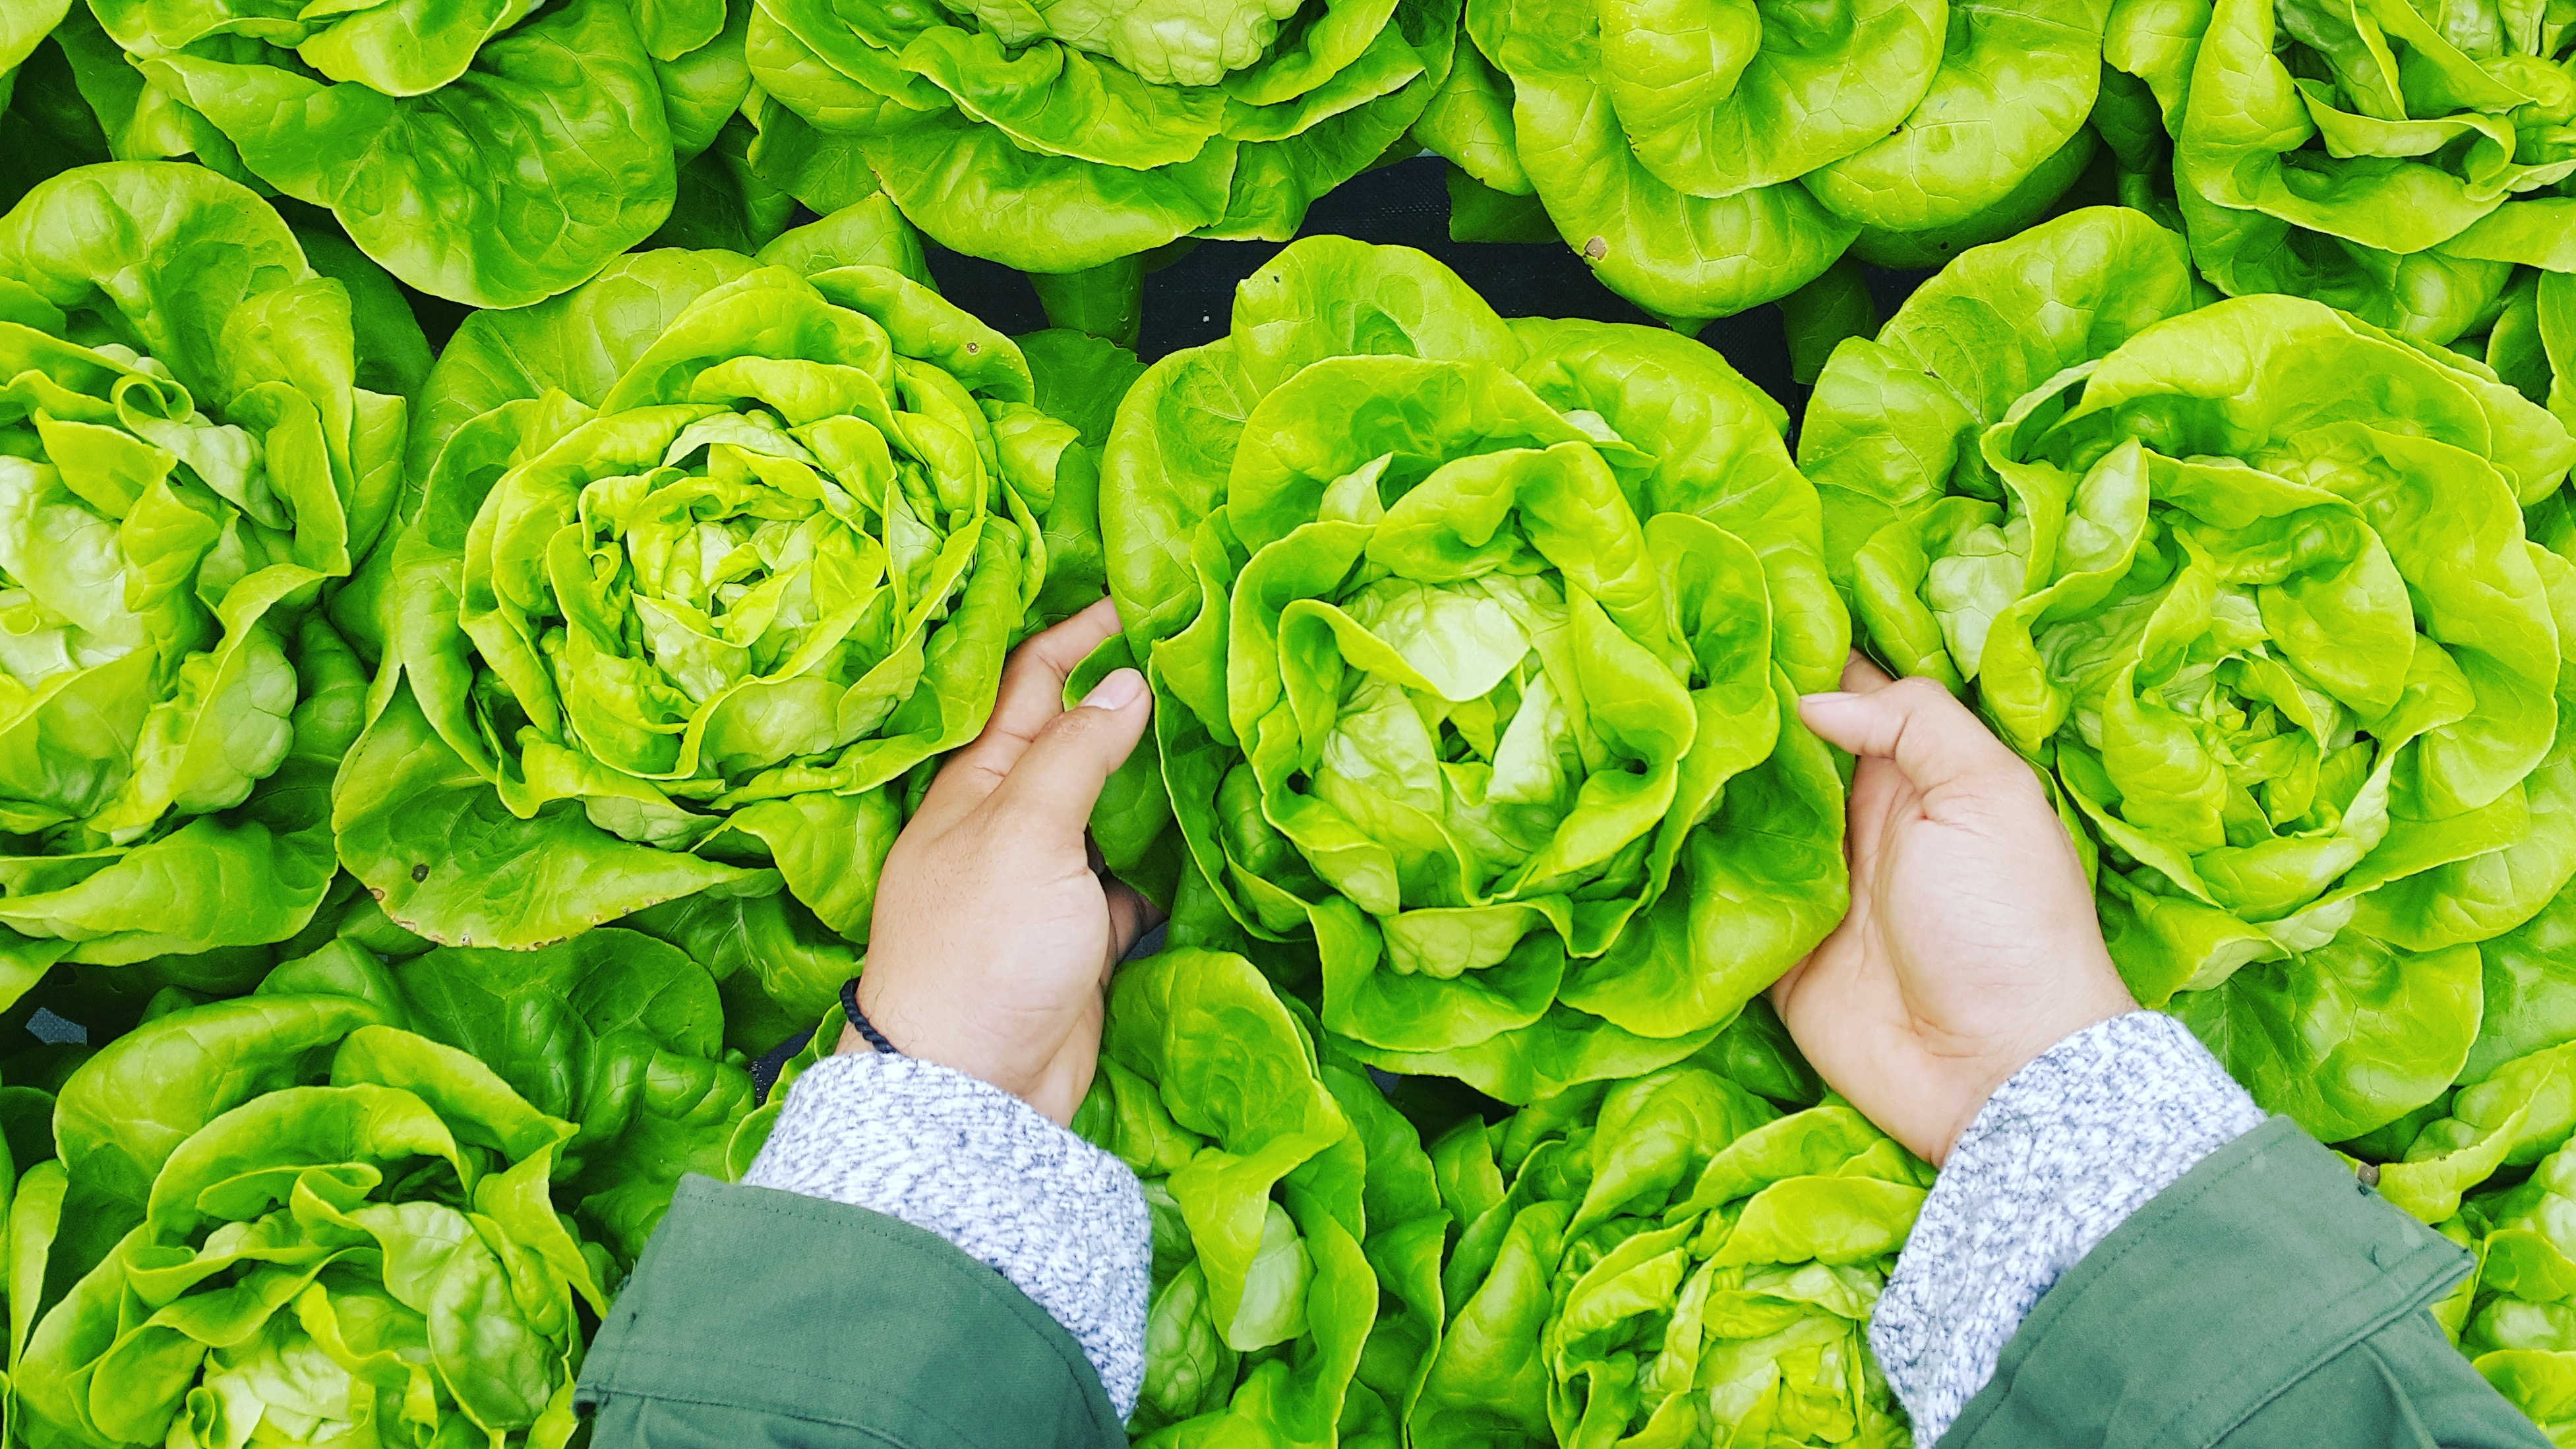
859	1019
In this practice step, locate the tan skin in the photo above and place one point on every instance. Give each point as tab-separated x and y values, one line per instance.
994	937
1971	945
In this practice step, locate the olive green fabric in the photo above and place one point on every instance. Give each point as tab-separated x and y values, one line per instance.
759	1318
2266	1298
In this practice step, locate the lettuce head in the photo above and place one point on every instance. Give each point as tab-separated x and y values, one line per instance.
2394	163
1475	647
1071	138
2248	581
493	152
1708	156
190	458
711	552
1667	1260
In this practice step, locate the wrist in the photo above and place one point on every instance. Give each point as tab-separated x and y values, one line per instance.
924	1036
2002	1065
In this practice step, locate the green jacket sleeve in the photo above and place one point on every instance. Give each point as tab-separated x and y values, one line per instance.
760	1318
2265	1298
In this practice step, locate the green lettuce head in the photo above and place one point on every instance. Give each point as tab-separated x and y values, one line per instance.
614	1031
1475	646
187	462
1297	1229
712	551
493	152
326	1226
1073	138
1667	1260
2391	162
1710	155
2249	583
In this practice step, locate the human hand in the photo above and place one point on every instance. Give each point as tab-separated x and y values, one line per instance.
1971	946
993	936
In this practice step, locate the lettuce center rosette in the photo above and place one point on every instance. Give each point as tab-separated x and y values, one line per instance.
1475	647
327	1228
2249	582
186	462
1712	155
1667	1260
1297	1229
2386	160
685	600
1072	138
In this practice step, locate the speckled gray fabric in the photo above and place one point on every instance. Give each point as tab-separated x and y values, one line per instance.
1061	1219
2061	1154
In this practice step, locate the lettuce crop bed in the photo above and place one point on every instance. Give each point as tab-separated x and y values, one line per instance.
504	507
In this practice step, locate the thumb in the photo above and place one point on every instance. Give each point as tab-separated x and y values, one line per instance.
1057	780
1932	737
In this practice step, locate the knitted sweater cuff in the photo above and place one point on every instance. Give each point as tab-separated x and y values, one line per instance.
2059	1156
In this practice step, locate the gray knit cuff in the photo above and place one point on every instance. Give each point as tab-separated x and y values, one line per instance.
2060	1155
1061	1219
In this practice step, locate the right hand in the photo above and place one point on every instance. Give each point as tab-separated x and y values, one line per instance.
1972	944
994	934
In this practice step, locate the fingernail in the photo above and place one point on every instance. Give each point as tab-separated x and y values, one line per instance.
1122	688
1830	697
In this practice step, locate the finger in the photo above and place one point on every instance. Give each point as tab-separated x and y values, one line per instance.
1057	779
1878	791
1130	917
1861	675
1030	698
1931	737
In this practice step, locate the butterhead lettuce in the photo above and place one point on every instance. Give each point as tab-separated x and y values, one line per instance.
2392	162
1667	1260
2248	581
324	1227
712	551
188	459
1297	1230
1068	139
494	152
1706	156
614	1031
1474	646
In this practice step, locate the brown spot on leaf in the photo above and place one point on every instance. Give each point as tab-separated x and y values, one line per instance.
1597	248
974	347
420	872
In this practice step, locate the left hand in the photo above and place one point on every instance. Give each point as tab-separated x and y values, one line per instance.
994	937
